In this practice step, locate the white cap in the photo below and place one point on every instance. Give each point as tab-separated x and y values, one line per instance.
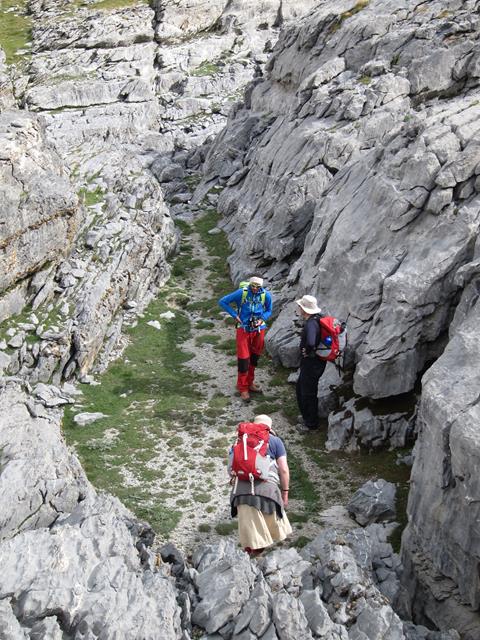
255	280
309	304
263	419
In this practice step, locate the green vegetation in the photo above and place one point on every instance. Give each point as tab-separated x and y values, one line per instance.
90	197
337	23
365	80
226	528
301	541
209	338
219	277
206	68
15	29
145	395
204	324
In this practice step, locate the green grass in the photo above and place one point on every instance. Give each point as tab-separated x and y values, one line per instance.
348	14
204	324
300	542
207	339
229	346
206	68
365	79
203	498
156	388
15	29
90	197
226	528
301	487
219	277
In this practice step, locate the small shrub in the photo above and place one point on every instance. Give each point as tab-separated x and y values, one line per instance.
225	528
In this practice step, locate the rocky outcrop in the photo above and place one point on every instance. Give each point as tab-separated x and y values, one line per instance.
40	479
338	587
355	182
440	545
40	212
72	561
208	52
6	89
91	76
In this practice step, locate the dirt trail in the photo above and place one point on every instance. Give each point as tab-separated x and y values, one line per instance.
202	520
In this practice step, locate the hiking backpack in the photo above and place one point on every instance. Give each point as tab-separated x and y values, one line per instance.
333	338
249	453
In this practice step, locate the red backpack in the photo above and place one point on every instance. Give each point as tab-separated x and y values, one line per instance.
249	461
333	338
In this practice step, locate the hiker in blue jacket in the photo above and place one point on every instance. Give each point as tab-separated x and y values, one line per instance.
253	306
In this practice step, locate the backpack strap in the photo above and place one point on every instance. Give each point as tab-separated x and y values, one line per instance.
245	294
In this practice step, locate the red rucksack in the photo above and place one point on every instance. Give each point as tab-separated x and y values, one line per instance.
333	338
249	461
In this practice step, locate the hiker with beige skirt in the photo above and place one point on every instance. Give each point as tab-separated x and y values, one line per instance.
260	478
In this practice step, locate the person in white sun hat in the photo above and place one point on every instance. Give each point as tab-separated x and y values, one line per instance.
262	519
311	367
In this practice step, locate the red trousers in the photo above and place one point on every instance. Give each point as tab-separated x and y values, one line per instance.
249	349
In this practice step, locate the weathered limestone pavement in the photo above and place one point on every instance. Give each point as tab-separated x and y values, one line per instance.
368	112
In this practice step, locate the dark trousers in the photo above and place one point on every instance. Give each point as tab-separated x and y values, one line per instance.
311	370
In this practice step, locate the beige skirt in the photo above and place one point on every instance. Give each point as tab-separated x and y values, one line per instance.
258	530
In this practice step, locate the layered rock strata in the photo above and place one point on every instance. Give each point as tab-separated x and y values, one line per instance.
40	212
91	76
207	53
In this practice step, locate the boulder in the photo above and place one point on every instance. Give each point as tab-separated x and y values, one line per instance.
373	502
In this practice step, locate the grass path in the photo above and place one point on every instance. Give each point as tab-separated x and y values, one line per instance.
172	412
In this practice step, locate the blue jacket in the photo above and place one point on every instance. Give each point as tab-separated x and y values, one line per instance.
251	308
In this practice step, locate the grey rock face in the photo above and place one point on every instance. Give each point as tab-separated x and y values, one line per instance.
92	77
40	212
330	594
321	143
358	424
6	90
99	558
223	585
373	502
71	560
440	541
208	53
40	479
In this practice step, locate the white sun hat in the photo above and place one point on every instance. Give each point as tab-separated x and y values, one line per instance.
255	280
309	304
263	419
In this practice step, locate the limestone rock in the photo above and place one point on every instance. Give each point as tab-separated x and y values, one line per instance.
83	419
94	550
40	213
439	542
224	582
342	169
373	502
7	100
40	479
